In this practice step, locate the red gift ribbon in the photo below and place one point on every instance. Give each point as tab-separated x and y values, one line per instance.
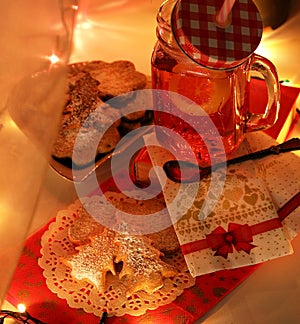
237	236
240	236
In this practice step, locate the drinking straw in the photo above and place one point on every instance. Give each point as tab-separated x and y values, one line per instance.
222	18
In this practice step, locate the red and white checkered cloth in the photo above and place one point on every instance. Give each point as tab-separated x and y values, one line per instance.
196	31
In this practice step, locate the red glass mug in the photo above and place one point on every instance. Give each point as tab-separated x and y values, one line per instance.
221	97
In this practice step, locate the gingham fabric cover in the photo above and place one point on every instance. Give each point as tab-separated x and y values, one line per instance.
195	29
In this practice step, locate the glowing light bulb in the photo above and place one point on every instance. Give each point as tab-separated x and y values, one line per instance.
21	308
53	58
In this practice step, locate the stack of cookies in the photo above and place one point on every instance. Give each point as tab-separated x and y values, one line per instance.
89	111
135	259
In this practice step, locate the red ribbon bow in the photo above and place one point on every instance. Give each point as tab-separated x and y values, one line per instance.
237	236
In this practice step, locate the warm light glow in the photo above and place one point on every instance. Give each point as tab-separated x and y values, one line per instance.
264	50
75	7
11	124
84	25
82	22
266	46
53	58
21	308
276	47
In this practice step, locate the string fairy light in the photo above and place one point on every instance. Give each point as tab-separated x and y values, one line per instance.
53	58
22	316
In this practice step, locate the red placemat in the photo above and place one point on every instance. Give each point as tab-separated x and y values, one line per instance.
28	286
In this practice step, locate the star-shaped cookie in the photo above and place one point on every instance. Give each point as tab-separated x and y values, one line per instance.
94	260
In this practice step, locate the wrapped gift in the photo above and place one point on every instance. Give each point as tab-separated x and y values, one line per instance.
230	219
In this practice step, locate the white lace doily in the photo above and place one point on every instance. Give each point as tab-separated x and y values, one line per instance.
81	294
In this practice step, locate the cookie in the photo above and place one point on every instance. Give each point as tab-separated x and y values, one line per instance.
136	107
109	140
164	238
115	78
127	127
64	143
97	135
137	205
94	260
83	228
142	267
89	85
134	116
82	99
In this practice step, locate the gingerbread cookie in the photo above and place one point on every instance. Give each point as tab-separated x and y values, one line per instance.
86	120
142	268
141	265
94	260
90	84
164	238
115	78
83	228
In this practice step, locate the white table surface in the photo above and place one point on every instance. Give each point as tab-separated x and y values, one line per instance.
272	293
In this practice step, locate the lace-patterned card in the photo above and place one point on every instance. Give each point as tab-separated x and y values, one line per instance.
281	176
228	220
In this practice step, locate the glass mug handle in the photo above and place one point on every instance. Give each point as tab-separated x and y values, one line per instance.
268	71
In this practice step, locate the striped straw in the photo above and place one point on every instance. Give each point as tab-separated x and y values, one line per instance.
222	17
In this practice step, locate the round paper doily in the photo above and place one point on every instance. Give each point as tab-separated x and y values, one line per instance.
56	245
